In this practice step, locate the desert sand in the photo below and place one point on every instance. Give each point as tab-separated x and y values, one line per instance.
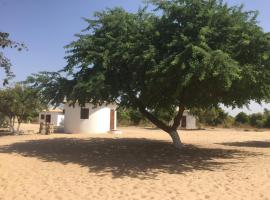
139	164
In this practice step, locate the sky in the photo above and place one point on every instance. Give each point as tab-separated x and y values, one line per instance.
46	26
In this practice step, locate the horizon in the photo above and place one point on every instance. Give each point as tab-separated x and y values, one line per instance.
47	26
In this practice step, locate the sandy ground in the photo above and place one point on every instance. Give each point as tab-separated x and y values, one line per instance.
139	164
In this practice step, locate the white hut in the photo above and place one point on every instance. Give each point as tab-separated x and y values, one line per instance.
90	118
188	121
52	116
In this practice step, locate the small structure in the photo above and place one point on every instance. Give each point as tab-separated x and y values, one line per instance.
52	116
188	121
89	118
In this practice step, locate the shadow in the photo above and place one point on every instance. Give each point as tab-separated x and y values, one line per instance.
132	157
5	132
256	144
59	130
151	128
8	133
180	129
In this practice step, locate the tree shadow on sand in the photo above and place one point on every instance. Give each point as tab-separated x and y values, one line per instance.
256	144
6	133
131	157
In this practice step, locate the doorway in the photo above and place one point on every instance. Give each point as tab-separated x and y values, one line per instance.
48	119
112	120
184	122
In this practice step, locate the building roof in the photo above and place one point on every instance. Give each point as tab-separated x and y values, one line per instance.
55	110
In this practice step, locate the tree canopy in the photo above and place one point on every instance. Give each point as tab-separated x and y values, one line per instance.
20	103
5	63
184	54
242	118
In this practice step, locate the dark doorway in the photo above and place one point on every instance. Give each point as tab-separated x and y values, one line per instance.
112	118
184	122
48	119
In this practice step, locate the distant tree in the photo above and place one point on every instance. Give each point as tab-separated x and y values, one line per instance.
5	63
242	118
212	116
19	103
266	114
7	106
267	122
257	120
129	116
2	120
135	116
185	54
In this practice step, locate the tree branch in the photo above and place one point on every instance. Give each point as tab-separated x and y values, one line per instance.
178	117
148	115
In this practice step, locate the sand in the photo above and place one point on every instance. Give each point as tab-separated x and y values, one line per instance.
139	164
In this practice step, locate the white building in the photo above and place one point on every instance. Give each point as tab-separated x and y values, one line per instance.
90	119
52	116
188	121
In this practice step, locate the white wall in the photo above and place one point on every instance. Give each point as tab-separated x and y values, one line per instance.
60	120
191	122
98	122
56	118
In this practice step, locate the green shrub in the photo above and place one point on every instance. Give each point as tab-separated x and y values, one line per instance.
257	120
213	116
129	116
242	118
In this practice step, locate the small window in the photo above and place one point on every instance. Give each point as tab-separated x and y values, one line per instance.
84	113
42	116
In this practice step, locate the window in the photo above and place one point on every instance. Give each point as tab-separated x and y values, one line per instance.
84	113
48	119
42	116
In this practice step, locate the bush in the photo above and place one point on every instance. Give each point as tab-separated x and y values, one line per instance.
242	118
3	121
267	122
212	116
129	116
257	120
135	117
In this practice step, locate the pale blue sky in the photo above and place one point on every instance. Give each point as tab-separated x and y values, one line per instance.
46	26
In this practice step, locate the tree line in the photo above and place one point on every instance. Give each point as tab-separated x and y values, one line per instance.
205	117
259	120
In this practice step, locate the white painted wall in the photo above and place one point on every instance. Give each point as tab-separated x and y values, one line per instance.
60	120
191	122
98	122
56	118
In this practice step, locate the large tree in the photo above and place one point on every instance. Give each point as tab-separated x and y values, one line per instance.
184	54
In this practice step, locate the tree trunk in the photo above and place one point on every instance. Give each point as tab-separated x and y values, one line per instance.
176	139
171	130
18	127
11	125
